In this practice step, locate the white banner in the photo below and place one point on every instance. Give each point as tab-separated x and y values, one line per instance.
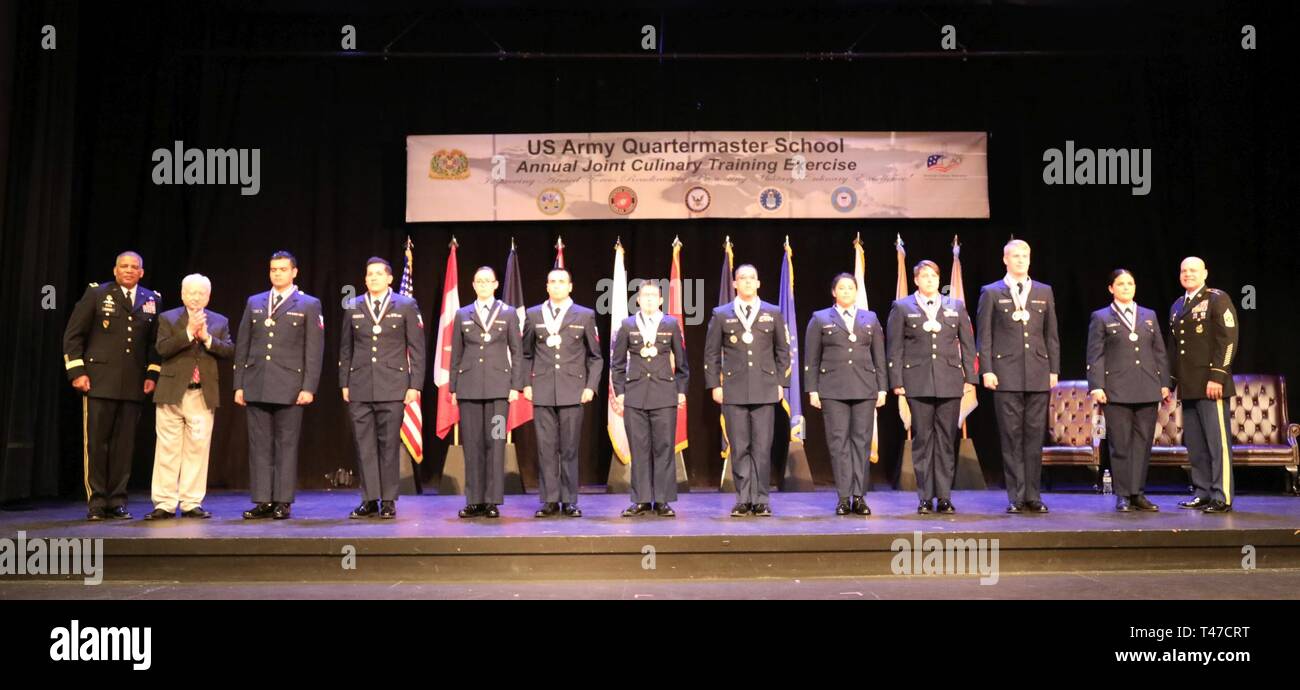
611	175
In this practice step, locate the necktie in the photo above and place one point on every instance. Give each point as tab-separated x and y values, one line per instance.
376	308
848	320
1020	288
929	303
1128	317
130	298
555	312
276	303
746	308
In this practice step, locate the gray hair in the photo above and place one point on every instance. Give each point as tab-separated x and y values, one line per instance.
196	280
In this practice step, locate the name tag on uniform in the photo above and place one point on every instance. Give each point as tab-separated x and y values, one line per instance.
392	316
764	318
1038	301
358	316
574	325
913	316
1004	301
467	323
257	311
500	321
296	313
949	312
732	321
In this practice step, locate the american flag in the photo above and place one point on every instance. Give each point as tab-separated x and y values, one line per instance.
412	420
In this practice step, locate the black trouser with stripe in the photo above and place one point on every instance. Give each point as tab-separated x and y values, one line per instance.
1206	434
110	446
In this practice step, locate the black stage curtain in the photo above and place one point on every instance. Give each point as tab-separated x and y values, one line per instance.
331	129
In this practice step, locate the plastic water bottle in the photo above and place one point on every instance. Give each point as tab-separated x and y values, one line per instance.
1107	488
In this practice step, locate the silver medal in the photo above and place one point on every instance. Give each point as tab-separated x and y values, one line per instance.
747	337
649	351
487	337
553	341
376	329
269	322
853	337
1133	336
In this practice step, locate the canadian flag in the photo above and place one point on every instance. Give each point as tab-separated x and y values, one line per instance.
448	414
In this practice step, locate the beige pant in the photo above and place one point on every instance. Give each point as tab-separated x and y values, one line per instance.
180	460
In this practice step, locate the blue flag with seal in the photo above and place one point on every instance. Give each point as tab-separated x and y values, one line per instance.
792	403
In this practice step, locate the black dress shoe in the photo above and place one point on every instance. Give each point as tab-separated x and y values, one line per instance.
260	511
1218	507
1122	504
548	510
1035	507
1197	503
665	510
197	512
945	506
636	509
860	506
570	510
762	510
367	509
740	510
1141	503
280	512
95	514
924	508
472	510
490	510
843	507
387	510
159	514
118	513
1015	508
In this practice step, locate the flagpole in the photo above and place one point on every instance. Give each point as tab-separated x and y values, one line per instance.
455	429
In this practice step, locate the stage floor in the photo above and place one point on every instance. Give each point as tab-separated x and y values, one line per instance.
428	543
323	514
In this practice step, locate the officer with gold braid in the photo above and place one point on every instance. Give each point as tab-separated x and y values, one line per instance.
1202	343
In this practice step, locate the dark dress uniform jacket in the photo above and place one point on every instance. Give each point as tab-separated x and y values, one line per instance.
486	370
837	368
1022	355
1128	371
749	373
376	367
1202	343
654	383
558	375
925	364
112	342
273	363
